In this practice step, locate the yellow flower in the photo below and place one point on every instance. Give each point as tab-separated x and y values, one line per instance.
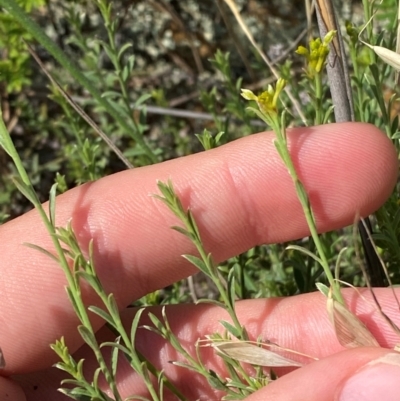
249	95
267	100
316	54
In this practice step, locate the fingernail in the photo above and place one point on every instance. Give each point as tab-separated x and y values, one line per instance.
378	380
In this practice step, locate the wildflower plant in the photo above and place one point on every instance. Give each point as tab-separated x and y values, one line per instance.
268	111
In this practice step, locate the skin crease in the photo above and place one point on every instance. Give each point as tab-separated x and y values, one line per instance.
241	196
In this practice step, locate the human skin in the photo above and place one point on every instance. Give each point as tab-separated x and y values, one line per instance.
241	196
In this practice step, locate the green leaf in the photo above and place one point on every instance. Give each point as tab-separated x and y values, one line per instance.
52	204
205	139
113	307
158	328
135	324
72	297
77	393
109	51
114	357
231	329
95	381
328	115
323	289
130	62
92	280
142	99
185	365
26	190
231	289
194	260
111	94
42	250
262	116
306	252
88	337
211	301
219	136
103	314
153	330
5	139
216	381
338	260
120	347
123	49
125	73
193	224
183	231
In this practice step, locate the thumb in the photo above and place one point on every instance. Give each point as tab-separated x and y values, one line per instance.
367	374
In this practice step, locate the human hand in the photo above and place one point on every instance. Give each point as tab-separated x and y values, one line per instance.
241	195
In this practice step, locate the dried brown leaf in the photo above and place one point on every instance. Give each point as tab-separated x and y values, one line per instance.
249	353
350	331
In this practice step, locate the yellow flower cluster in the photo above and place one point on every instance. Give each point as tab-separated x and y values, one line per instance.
317	53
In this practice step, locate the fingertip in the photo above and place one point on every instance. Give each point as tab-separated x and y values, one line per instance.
348	169
325	380
379	379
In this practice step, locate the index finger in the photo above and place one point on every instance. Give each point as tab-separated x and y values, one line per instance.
240	194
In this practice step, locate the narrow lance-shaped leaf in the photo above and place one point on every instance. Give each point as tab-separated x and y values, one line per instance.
103	314
305	251
52	204
26	190
88	337
231	328
194	260
5	139
134	325
114	358
322	288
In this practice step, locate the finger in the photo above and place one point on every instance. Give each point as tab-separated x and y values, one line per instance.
298	323
351	374
355	374
240	194
10	391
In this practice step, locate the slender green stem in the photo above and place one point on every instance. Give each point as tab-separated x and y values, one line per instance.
305	203
318	99
214	275
110	27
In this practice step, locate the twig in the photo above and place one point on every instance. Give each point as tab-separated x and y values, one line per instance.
341	93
